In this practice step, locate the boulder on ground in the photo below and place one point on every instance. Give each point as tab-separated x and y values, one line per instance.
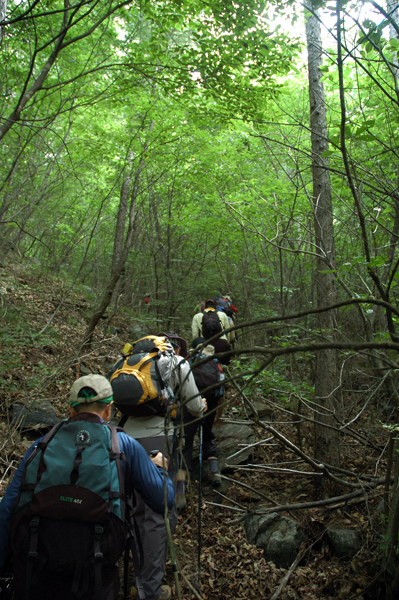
38	415
279	537
231	438
232	441
345	542
265	412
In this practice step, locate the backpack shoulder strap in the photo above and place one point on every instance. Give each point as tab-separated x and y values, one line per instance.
161	381
41	447
116	455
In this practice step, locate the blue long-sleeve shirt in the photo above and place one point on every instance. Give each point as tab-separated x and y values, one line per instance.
146	478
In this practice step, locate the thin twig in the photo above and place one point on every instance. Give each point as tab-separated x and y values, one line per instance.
244	485
290	571
241	510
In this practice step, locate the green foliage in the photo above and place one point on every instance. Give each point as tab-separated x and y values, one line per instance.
223	196
274	385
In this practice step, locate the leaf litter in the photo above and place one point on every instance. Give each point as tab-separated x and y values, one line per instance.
44	367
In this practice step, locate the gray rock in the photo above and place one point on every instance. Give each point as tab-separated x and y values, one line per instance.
256	525
39	415
279	537
231	438
264	411
345	542
283	545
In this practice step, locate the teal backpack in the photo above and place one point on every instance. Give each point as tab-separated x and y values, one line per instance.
72	514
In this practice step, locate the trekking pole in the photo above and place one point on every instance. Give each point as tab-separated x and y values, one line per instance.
175	458
199	506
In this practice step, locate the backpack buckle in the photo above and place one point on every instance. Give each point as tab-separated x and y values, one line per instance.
34	524
98	531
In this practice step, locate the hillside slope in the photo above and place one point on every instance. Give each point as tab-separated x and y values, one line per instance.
40	358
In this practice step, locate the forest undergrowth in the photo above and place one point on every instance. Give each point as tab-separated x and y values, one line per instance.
42	366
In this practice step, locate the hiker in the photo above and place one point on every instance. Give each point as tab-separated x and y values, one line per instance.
199	307
224	304
209	322
144	381
68	529
147	300
209	373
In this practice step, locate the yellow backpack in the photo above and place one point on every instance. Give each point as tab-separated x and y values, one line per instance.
137	385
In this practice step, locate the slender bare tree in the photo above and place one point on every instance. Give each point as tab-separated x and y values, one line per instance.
326	440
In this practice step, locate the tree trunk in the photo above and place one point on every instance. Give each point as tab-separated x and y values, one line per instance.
120	227
326	441
106	299
3	11
119	265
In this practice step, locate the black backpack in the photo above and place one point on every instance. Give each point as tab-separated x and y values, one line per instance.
206	374
211	324
73	513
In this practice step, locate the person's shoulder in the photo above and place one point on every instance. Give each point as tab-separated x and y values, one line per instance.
126	441
31	449
180	362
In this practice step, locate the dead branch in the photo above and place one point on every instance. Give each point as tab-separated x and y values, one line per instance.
318	503
290	571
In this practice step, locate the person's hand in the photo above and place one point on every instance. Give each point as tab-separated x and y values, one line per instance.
160	460
206	405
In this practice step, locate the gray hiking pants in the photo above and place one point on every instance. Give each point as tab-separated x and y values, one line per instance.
153	531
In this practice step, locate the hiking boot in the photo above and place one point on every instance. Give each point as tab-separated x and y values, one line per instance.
166	593
216	479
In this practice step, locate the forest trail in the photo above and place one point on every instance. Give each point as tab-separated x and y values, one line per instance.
154	154
41	367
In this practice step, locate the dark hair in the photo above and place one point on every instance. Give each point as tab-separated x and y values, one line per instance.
210	303
87	392
96	407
